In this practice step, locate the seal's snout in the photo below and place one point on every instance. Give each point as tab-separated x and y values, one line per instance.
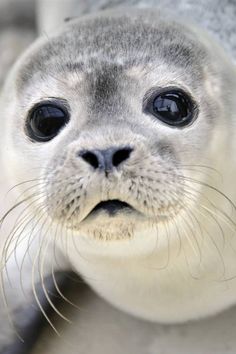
108	159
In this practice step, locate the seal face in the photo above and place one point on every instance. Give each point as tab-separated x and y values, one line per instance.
119	126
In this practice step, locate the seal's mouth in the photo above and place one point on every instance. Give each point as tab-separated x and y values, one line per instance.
111	207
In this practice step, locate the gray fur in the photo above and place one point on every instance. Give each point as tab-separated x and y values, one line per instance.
133	41
104	50
122	43
216	16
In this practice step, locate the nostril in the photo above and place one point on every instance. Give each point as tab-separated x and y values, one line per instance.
120	156
106	159
90	158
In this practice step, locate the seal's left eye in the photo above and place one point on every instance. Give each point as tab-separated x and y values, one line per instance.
173	107
46	120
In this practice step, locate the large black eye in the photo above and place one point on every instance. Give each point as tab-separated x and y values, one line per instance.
46	120
173	107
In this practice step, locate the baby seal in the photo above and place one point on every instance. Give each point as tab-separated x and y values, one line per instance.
119	133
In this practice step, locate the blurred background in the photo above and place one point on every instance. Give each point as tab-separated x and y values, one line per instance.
17	31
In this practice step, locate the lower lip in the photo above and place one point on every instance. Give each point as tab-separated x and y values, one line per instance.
111	209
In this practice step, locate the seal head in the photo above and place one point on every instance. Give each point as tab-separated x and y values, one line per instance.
119	118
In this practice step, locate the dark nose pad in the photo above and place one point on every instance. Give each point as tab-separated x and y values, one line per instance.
107	159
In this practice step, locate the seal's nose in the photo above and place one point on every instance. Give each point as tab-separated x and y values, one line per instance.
107	159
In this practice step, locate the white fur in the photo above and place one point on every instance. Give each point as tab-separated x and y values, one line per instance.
155	274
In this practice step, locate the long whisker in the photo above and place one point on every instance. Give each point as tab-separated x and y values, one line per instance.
54	278
35	263
42	257
212	239
211	188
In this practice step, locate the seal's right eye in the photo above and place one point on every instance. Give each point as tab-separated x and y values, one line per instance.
46	120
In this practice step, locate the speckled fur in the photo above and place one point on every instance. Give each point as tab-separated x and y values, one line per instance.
217	17
103	67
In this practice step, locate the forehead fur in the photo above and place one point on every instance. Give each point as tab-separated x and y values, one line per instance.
116	39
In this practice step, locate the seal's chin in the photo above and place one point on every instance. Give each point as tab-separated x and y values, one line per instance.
111	219
111	208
